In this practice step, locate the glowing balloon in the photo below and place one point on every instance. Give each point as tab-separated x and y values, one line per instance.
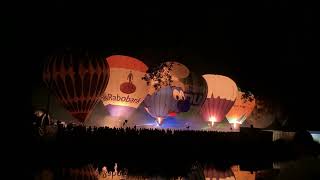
126	89
169	74
169	99
222	93
178	70
78	81
195	92
241	109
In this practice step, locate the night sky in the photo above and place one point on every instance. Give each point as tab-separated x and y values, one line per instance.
267	50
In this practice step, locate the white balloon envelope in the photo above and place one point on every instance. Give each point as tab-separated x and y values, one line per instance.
126	88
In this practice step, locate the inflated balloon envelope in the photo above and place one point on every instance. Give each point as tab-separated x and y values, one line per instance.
77	79
241	110
169	99
196	90
163	102
171	70
222	93
126	89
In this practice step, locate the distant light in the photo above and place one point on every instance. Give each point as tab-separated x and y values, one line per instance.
236	125
234	120
39	113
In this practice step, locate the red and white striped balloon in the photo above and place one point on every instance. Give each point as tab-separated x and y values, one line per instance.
222	93
77	79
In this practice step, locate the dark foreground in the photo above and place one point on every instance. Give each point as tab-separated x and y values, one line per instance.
167	153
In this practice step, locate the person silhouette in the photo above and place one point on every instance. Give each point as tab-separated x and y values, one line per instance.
130	77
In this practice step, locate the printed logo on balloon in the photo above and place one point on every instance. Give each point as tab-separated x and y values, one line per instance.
128	87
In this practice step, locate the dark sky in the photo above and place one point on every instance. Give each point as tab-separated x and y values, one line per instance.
267	50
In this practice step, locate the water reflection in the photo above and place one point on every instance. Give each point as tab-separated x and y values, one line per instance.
197	171
210	173
157	154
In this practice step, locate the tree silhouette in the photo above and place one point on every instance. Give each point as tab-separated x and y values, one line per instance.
247	96
159	76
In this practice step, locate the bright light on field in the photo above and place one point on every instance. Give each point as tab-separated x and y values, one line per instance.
212	119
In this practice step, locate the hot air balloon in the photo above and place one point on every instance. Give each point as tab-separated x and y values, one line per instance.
166	74
241	109
195	92
78	80
267	113
169	99
126	89
222	93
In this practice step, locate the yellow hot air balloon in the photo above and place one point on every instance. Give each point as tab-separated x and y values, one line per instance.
126	88
241	109
222	93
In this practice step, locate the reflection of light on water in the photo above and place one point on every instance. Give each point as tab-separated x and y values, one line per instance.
242	175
